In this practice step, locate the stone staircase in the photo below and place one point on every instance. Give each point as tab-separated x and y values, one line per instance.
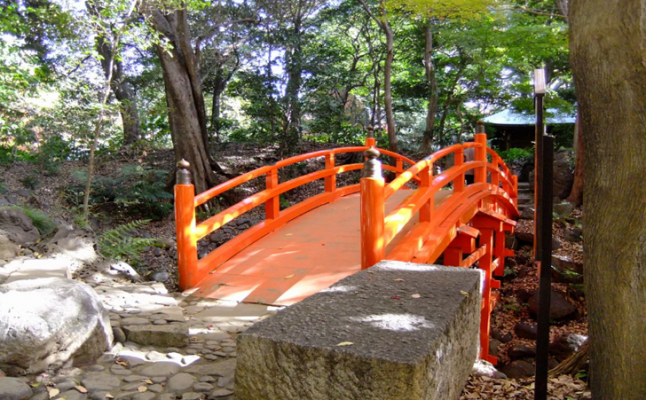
526	200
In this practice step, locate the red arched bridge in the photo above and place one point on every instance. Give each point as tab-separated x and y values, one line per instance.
305	248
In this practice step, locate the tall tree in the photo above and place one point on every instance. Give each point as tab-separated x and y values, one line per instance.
184	96
607	55
380	16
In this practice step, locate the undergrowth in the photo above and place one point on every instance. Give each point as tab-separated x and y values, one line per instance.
122	244
43	222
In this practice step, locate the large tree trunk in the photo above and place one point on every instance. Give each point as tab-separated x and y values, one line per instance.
576	195
431	82
122	91
607	56
186	112
294	66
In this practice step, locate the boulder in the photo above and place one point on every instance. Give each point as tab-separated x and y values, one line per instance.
560	307
526	331
518	369
171	335
47	322
521	351
565	345
8	249
17	226
563	209
525	237
14	389
563	174
566	270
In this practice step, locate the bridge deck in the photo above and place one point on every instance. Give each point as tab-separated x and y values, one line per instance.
305	256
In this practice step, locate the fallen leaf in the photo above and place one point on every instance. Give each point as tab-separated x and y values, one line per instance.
399	280
396	298
81	389
288	234
289	276
345	344
142	389
35	384
53	392
109	396
416	296
463	293
371	272
148	381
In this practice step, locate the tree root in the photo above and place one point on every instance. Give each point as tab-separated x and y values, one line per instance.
573	363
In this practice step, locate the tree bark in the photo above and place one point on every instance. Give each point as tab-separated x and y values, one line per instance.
607	55
431	82
121	89
383	23
294	67
186	111
576	195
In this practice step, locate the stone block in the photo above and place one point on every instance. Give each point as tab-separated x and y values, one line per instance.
396	331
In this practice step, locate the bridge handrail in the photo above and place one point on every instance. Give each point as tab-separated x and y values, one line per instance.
189	231
377	237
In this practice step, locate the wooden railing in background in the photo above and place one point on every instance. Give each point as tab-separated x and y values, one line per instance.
189	231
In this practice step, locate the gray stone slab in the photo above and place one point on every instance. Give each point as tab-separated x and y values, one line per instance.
395	331
173	335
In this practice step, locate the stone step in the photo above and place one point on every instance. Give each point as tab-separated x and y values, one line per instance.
525	200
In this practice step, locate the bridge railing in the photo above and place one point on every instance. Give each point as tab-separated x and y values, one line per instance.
189	230
379	230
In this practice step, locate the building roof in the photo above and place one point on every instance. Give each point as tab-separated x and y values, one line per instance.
511	117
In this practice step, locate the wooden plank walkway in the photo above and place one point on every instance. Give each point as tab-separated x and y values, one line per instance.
305	256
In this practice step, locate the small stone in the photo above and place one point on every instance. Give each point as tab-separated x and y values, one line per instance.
14	389
220	354
96	368
119	335
211	357
220	393
207	379
522	351
40	396
134	378
180	382
100	381
526	331
144	396
117	369
167	396
223	381
160	369
72	395
160	322
202	387
135	321
518	369
65	385
159	379
192	396
156	388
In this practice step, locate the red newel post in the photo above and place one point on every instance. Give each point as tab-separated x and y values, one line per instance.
185	226
481	154
373	211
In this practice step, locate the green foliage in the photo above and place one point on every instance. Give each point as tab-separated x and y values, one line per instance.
514	154
122	244
138	189
30	181
43	222
456	9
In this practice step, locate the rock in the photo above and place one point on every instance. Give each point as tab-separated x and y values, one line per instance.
180	382
573	235
565	345
563	210
518	369
493	346
219	393
556	243
217	237
134	321
511	242
160	276
567	270
193	396
72	395
203	387
17	226
521	351
144	396
502	337
563	174
527	213
160	369
119	335
172	335
484	368
49	321
526	331
224	368
14	389
100	381
525	237
560	307
8	249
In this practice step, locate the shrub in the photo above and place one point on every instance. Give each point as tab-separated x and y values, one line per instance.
43	222
122	244
514	154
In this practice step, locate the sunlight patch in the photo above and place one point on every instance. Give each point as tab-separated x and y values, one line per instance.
396	322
